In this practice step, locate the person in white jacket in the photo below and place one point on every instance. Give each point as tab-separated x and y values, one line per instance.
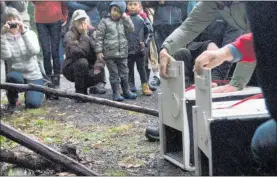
19	47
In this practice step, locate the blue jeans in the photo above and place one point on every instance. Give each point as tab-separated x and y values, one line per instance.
61	50
49	37
264	145
33	99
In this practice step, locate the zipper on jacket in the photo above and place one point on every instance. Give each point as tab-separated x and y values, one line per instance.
118	37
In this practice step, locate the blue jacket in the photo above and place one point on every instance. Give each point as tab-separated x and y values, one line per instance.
142	33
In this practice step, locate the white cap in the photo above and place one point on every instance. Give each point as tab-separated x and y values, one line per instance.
78	14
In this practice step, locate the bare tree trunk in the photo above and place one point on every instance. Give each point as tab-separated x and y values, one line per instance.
33	87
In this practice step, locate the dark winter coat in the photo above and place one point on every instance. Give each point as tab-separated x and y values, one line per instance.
171	12
142	33
77	47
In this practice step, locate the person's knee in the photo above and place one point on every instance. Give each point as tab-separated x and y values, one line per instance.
182	54
82	64
264	140
33	103
14	77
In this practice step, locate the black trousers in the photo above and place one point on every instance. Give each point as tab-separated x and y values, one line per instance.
140	62
81	73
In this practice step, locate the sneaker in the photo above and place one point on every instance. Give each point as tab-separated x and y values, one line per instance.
152	88
156	81
152	134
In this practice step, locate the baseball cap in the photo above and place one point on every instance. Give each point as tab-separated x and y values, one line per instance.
78	14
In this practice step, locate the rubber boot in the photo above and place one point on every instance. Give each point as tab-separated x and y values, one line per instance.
116	92
81	91
126	90
133	87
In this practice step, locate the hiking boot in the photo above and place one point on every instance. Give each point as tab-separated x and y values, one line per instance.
156	81
116	93
145	89
98	89
126	90
152	133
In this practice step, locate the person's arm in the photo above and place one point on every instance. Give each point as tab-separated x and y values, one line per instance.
31	41
200	17
74	47
100	33
241	50
21	6
6	52
76	5
128	24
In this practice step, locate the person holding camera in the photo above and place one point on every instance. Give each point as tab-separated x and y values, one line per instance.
19	47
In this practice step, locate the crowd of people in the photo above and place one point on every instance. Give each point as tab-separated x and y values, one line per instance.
93	35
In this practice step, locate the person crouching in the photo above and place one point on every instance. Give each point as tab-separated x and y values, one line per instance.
81	65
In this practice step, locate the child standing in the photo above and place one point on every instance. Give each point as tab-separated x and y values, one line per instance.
138	39
112	46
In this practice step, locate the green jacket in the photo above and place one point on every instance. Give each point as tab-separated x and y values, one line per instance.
111	37
200	17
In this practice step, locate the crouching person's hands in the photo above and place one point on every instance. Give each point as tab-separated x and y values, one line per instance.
99	64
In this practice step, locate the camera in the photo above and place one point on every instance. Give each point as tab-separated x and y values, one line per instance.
12	25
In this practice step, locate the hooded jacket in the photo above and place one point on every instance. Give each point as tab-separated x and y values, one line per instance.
111	35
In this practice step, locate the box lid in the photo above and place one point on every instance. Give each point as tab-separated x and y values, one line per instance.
190	95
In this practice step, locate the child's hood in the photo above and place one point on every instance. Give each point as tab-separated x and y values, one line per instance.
120	4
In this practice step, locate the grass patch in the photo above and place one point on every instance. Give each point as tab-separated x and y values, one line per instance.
115	172
120	129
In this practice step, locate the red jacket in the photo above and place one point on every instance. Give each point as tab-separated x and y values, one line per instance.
246	47
50	11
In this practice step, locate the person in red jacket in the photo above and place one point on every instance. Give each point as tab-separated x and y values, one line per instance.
242	50
49	16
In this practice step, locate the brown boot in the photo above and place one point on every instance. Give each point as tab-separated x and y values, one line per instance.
145	89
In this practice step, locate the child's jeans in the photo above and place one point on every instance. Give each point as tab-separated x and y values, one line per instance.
118	69
33	99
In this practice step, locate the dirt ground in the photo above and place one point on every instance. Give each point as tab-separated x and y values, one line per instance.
110	141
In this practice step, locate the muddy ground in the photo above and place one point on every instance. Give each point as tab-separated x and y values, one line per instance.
110	141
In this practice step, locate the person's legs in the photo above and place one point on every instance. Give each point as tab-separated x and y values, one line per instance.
143	77
122	65
80	71
114	78
131	66
264	146
55	36
13	77
44	39
33	99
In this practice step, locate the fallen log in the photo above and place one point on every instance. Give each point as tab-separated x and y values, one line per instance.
102	101
45	151
35	161
26	160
